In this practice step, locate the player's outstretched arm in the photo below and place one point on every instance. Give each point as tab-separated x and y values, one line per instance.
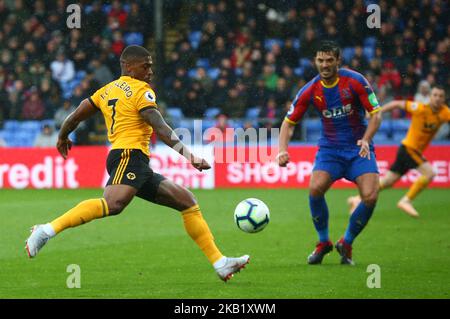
286	131
165	133
81	113
397	104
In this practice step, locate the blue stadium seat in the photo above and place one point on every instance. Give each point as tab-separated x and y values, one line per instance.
385	127
213	73
305	63
194	39
370	42
348	53
236	123
313	125
369	53
80	75
312	137
212	112
400	125
268	43
299	71
398	136
175	112
192	73
187	124
136	38
30	126
207	123
11	125
381	138
252	113
203	63
296	43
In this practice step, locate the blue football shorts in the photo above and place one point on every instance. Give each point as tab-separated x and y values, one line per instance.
344	162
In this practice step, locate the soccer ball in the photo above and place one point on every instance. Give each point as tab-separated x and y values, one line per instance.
251	215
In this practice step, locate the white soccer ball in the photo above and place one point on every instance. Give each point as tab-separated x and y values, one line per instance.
251	215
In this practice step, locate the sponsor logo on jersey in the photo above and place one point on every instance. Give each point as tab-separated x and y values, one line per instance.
338	112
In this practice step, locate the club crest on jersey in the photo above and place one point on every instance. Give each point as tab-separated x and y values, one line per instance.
150	96
131	176
338	112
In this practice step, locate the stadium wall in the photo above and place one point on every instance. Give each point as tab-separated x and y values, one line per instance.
234	167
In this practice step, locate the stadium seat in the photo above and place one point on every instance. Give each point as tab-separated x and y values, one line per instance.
370	42
299	71
175	113
268	43
369	53
212	112
348	53
312	137
11	125
296	44
192	73
203	63
207	123
252	113
400	125
136	38
305	63
194	39
397	137
313	125
30	126
385	127
213	73
381	138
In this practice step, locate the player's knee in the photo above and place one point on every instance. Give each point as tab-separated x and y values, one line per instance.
431	175
115	206
316	190
370	198
187	200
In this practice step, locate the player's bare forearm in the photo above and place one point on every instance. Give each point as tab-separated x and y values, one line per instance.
286	132
82	112
164	132
397	104
372	127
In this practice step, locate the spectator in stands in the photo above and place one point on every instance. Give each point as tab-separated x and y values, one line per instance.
62	112
47	137
101	73
423	92
235	104
33	106
63	69
222	132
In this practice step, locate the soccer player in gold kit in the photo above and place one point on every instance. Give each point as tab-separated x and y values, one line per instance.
131	115
426	120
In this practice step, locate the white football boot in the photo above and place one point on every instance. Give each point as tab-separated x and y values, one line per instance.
36	241
232	266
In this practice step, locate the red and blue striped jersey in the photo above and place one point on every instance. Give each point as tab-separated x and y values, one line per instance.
341	106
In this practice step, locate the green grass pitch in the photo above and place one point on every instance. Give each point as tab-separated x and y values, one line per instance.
145	252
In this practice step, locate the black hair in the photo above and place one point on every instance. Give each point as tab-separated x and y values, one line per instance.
329	46
133	52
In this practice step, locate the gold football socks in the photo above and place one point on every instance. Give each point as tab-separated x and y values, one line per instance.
199	231
82	213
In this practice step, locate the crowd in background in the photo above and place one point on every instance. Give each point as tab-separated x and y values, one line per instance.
231	55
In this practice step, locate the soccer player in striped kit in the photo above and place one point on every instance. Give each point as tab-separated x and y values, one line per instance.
341	97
